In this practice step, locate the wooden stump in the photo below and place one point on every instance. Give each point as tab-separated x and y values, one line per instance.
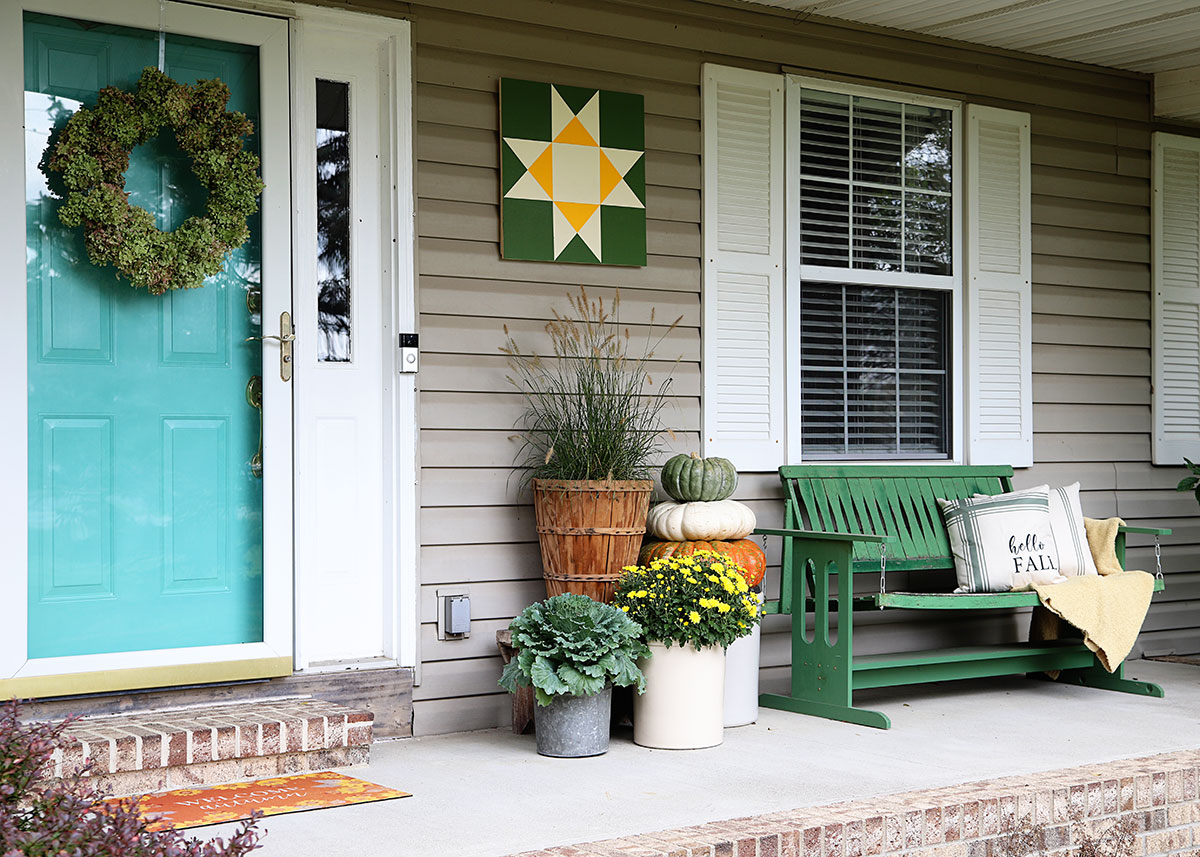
522	700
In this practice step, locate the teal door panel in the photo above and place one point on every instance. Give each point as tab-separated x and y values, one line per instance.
145	518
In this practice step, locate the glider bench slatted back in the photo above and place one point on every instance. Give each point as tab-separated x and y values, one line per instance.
840	521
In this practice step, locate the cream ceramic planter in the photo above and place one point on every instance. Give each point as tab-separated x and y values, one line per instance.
741	679
682	708
741	676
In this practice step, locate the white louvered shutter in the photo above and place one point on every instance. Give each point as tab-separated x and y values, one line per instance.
744	413
998	293
1176	338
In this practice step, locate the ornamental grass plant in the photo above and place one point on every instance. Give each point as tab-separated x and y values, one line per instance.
572	645
593	408
699	600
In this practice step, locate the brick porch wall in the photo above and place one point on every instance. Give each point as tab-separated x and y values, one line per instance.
1159	793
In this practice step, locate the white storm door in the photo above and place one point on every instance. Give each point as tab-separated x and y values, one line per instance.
347	522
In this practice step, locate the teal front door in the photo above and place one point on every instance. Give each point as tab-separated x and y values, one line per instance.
144	441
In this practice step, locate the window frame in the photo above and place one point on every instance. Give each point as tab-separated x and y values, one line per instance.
796	273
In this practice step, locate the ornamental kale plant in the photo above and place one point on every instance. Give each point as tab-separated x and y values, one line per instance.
593	410
69	817
702	599
572	645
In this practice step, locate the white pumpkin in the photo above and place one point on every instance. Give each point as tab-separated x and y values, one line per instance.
725	520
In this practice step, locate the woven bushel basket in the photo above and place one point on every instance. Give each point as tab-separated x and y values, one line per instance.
589	531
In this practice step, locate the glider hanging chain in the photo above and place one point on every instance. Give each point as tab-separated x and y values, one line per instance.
882	570
1157	558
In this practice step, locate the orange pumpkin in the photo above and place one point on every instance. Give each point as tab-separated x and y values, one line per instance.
744	552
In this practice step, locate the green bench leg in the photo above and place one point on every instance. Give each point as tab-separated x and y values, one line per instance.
845	713
822	667
1098	677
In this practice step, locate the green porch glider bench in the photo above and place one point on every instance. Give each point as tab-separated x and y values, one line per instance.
842	521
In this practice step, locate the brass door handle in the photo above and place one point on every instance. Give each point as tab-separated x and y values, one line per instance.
254	400
285	339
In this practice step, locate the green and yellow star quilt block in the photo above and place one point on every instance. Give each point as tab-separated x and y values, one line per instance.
572	174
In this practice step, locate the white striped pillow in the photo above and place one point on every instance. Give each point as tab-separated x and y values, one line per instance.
995	538
1066	522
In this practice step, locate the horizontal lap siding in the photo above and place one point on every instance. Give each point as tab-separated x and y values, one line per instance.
1091	297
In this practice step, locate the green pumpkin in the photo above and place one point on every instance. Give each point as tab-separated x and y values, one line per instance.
691	479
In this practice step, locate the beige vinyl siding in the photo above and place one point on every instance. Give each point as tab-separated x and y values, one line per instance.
1091	299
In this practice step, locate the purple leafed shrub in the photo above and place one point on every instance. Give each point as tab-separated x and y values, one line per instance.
70	817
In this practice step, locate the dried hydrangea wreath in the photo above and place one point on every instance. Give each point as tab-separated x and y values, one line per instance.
92	155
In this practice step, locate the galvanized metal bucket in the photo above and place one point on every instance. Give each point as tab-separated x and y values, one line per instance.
574	726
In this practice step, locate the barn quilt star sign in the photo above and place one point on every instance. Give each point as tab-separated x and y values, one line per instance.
572	174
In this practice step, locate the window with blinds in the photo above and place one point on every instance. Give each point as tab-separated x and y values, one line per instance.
875	184
876	251
875	372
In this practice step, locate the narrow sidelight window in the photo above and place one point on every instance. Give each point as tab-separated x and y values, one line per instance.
333	222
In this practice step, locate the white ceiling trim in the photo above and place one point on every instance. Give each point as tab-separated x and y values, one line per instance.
1148	36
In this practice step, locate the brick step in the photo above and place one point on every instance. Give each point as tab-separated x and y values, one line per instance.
180	748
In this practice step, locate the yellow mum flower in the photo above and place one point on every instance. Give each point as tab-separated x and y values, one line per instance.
716	566
724	608
741	585
625	607
695	617
713	578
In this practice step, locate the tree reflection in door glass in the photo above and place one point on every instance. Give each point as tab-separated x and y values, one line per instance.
333	221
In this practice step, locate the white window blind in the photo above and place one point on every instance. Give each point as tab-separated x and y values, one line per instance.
999	274
1176	281
875	372
873	297
743	335
875	183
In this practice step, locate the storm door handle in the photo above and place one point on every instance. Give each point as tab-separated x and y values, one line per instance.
286	337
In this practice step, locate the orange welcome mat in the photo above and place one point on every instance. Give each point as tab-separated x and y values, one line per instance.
273	796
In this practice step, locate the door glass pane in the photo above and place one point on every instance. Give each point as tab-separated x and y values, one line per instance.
333	221
145	510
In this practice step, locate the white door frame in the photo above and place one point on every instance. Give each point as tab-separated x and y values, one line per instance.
389	39
20	675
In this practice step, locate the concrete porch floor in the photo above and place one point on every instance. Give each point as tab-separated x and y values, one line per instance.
485	794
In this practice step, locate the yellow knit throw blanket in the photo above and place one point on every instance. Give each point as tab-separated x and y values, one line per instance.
1108	608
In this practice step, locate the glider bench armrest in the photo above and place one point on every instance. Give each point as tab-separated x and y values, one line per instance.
817	534
774	606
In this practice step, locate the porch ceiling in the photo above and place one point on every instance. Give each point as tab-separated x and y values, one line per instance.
1159	37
